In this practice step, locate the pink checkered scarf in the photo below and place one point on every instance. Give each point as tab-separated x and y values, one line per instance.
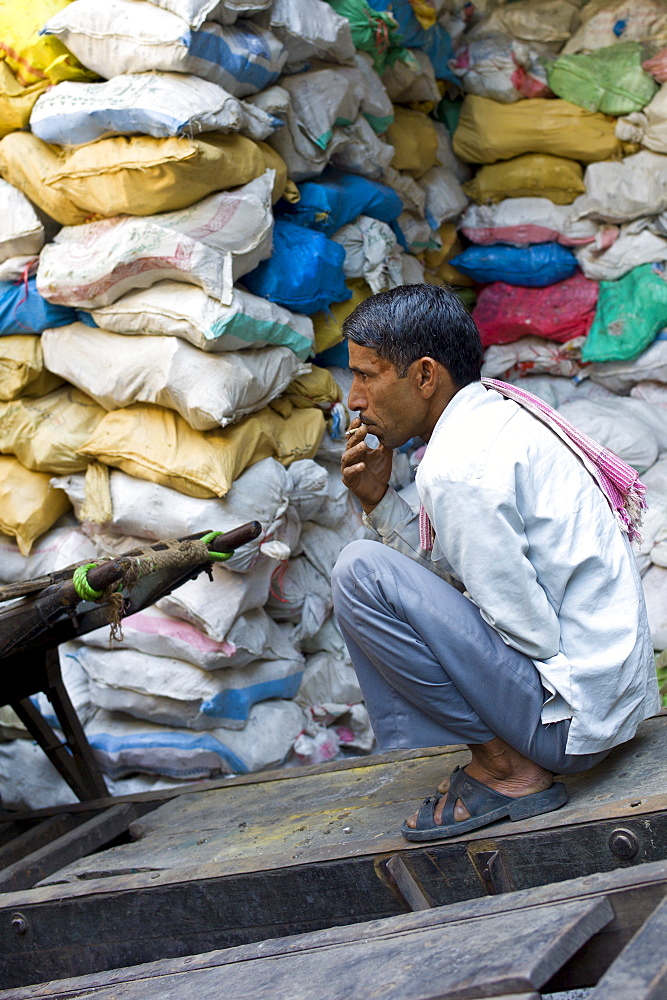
618	481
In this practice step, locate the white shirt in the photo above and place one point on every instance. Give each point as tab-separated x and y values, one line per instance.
531	537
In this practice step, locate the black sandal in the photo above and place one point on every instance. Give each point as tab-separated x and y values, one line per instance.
484	805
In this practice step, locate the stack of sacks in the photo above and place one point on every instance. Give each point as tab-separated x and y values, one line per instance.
564	122
159	324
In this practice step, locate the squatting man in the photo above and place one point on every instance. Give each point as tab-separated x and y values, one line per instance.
507	613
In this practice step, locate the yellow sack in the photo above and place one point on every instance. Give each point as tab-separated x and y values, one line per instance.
131	175
16	101
437	269
425	11
415	141
152	443
34	57
22	371
534	20
28	503
283	187
489	131
46	433
317	388
328	325
528	176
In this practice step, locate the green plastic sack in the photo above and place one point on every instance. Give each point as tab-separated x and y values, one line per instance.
610	80
373	31
630	313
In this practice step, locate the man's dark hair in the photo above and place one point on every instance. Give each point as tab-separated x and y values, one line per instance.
414	321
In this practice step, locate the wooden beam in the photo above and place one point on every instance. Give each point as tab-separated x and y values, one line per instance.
70	846
34	838
456	960
640	971
69	938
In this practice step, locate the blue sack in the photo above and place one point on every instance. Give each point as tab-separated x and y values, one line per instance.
338	197
435	42
304	273
531	267
23	310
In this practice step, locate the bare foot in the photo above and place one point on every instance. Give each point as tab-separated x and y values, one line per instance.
501	768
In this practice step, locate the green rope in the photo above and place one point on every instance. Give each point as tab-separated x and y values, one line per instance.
215	556
81	585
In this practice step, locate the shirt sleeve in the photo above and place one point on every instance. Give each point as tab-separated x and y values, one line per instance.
397	525
481	535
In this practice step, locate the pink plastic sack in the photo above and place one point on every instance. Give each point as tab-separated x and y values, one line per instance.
505	313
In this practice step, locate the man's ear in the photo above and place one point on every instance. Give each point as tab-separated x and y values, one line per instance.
427	376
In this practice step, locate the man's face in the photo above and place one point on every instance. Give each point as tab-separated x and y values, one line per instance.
391	407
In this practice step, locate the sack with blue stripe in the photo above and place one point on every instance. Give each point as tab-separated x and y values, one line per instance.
123	745
112	37
337	198
177	693
533	267
156	104
305	272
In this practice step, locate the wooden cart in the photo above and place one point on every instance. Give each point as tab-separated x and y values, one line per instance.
295	884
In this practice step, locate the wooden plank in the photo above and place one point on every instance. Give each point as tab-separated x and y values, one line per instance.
37	836
257	777
633	894
358	811
89	836
485	956
640	971
407	885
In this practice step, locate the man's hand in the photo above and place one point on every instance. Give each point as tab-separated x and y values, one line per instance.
366	471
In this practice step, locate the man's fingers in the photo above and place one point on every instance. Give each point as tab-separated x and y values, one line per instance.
354	453
352	472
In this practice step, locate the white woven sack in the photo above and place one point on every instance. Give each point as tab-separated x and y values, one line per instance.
328	678
649	126
555	223
114	37
195	12
174	309
633	247
624	190
213	606
654	583
147	510
614	425
56	549
176	693
652	546
18	268
210	244
311	29
445	198
302	595
123	745
654	393
357	149
376	106
371	252
21	233
536	354
253	636
620	376
642	20
157	104
207	390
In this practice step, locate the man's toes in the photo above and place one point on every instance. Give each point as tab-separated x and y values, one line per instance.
443	787
412	822
460	811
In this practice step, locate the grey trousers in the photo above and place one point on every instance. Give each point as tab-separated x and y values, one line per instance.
432	671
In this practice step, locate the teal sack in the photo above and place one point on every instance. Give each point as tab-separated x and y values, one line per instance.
629	315
610	80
